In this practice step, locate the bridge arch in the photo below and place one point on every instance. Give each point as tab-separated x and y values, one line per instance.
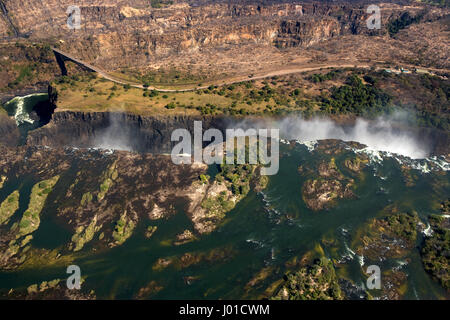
62	57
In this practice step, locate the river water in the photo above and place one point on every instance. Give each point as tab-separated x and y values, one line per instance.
20	108
265	230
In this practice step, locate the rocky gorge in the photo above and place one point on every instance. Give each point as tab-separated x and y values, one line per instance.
86	177
135	35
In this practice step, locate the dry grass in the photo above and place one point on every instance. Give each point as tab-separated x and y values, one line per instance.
93	95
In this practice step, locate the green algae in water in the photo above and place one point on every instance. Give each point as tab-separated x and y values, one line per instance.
9	206
31	217
263	230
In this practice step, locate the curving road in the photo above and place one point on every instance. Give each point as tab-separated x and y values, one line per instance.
282	72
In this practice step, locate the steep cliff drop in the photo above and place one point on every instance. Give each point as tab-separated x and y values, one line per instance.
131	132
29	112
120	131
9	132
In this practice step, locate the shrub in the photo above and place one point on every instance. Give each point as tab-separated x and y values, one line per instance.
170	105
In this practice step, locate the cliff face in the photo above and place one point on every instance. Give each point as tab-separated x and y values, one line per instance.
113	129
304	33
124	131
120	33
117	130
9	133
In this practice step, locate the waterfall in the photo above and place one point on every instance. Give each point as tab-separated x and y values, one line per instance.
20	107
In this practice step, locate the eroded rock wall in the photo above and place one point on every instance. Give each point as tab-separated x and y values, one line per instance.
115	34
117	130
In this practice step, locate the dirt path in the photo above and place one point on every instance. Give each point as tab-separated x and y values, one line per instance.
270	74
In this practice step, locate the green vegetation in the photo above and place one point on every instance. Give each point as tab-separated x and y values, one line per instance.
9	207
357	98
315	282
204	178
352	91
104	187
86	198
160	3
325	184
39	193
150	231
25	73
392	236
26	64
403	225
355	164
109	176
26	240
435	249
2	178
428	96
237	176
230	185
261	183
445	207
84	235
170	105
218	206
44	286
402	22
319	77
123	229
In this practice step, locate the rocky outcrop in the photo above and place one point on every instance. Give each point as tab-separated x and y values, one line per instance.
389	237
105	195
9	133
435	248
319	194
116	130
293	33
114	34
326	183
55	289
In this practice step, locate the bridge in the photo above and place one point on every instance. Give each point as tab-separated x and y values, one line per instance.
62	56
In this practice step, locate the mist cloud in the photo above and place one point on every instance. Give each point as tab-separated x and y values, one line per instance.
391	134
116	136
383	134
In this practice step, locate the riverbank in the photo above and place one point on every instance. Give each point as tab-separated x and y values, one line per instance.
11	94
